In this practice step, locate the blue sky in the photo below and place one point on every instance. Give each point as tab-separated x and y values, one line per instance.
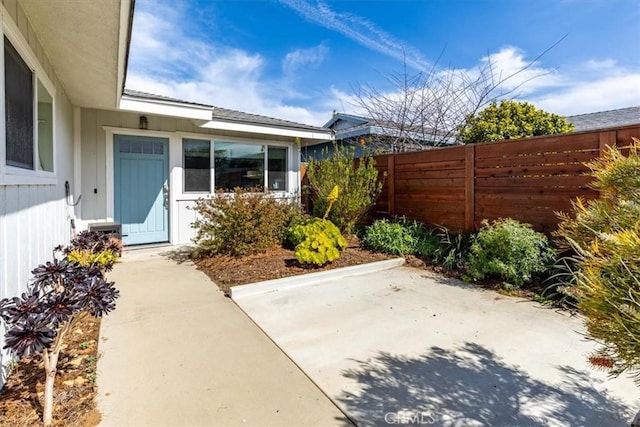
301	59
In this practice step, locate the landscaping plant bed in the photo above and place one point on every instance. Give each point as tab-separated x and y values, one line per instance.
21	398
276	263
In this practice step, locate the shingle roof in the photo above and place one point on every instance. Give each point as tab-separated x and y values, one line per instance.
606	119
228	115
238	116
152	96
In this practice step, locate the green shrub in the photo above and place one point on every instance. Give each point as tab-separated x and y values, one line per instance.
509	250
605	234
511	120
357	180
318	242
452	249
243	222
400	237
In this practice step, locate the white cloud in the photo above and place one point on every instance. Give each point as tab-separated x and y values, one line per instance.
304	58
603	64
359	30
606	93
167	61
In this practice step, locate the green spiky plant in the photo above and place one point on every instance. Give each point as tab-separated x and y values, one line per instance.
605	234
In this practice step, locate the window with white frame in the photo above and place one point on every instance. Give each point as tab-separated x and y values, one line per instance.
234	165
197	165
28	115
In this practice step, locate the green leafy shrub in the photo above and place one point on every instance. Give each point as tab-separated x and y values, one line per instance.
400	237
318	242
509	250
605	234
452	249
243	222
357	180
511	120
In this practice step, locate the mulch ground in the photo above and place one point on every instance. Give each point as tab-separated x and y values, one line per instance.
21	398
276	263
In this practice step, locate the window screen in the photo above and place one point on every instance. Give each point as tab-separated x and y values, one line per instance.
197	165
18	89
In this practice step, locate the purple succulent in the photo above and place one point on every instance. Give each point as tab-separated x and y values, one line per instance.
52	273
29	337
59	307
97	296
16	309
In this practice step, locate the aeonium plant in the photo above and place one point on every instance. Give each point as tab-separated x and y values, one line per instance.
63	291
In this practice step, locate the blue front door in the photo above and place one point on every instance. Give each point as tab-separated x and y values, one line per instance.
141	188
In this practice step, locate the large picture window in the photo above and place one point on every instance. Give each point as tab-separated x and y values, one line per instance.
197	165
238	165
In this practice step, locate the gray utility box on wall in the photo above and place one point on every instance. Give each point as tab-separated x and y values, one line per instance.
110	228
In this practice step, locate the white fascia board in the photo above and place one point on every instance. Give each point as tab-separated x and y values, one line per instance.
165	108
267	130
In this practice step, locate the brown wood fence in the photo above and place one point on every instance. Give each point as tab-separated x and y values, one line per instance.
528	180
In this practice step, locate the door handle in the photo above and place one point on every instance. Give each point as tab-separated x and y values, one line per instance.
165	196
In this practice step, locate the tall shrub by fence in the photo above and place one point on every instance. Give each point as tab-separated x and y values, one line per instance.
526	179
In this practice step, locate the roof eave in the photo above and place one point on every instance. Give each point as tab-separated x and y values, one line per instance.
165	108
268	130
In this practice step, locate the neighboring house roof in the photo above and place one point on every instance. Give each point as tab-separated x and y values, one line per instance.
606	119
351	126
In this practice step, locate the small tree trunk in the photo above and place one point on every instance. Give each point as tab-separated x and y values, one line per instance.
50	364
50	367
47	416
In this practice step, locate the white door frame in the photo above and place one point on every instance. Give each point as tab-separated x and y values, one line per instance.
110	178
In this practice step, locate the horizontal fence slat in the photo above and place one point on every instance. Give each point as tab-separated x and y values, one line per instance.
568	157
533	170
528	180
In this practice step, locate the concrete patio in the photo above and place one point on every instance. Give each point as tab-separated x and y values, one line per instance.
388	347
403	345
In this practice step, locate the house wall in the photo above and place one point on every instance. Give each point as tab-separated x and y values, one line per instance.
34	218
97	128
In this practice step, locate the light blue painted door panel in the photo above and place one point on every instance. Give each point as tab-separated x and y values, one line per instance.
141	170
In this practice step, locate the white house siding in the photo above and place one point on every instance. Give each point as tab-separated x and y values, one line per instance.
95	200
34	218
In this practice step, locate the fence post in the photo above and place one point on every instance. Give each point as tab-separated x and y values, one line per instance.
607	138
469	193
391	184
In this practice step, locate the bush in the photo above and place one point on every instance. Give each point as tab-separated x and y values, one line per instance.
510	250
605	233
243	222
452	249
357	180
511	120
318	242
400	237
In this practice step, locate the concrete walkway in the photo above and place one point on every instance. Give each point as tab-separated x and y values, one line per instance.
177	352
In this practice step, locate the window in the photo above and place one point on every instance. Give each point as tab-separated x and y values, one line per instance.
197	165
277	168
18	103
29	115
45	129
238	165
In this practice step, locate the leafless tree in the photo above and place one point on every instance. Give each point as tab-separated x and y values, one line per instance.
429	107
